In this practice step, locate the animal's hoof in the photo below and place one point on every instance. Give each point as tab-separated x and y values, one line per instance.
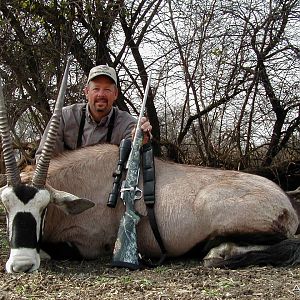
211	262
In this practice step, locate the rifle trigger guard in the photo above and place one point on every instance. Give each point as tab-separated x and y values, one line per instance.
137	192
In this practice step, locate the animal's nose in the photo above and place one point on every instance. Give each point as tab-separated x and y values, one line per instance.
25	267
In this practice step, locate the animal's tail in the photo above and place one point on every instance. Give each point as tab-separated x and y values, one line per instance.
284	253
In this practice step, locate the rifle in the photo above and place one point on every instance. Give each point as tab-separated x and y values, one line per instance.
125	252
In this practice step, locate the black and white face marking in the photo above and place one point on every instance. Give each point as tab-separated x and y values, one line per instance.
25	206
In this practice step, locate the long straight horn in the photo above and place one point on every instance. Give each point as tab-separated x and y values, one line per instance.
12	171
40	174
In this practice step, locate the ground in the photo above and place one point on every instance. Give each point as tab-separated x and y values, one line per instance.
176	279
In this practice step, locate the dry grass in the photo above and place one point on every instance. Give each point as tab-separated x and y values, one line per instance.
178	279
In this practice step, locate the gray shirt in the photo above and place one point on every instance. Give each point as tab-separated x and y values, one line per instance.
93	133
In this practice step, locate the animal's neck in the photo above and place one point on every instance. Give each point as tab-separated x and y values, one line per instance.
86	172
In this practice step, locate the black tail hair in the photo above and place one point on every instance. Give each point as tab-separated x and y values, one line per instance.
284	253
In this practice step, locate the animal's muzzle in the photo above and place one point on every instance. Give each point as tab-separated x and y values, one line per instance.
23	260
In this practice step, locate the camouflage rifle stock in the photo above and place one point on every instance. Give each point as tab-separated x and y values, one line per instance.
125	251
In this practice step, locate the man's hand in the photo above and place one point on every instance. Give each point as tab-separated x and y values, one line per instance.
146	128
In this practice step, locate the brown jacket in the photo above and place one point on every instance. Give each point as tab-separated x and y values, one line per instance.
93	133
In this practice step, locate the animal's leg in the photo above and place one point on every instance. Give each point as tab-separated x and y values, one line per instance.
227	250
61	251
44	255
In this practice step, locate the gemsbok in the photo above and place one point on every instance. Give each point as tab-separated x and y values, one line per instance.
248	218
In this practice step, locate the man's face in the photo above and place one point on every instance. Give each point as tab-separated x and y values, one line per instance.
101	94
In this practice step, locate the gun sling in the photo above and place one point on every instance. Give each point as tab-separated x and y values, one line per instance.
149	198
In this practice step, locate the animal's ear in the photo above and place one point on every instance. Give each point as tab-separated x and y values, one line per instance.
69	203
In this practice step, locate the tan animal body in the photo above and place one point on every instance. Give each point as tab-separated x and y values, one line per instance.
193	204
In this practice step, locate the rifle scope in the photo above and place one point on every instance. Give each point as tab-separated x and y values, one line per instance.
124	150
